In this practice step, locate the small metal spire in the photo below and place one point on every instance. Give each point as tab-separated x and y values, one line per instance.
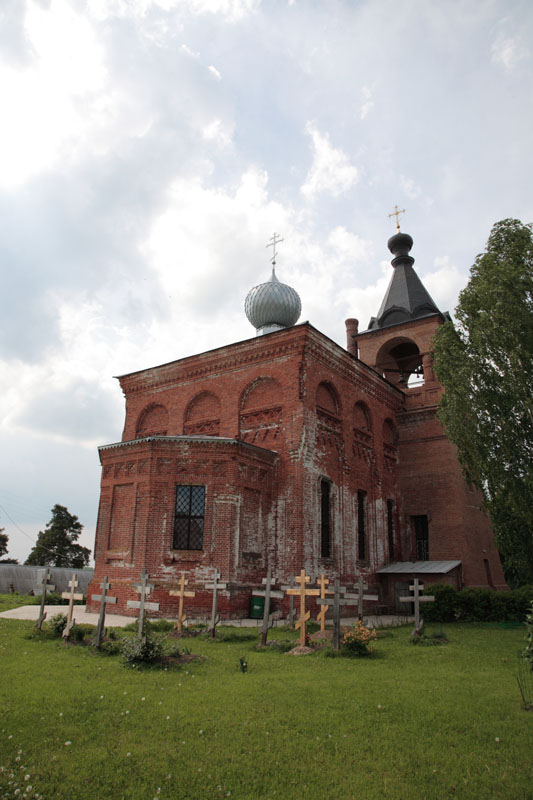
274	240
396	213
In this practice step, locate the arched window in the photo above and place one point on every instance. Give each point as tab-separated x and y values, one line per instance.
327	398
260	412
202	415
361	418
400	361
153	421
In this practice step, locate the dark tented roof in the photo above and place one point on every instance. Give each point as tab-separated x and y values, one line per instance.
406	297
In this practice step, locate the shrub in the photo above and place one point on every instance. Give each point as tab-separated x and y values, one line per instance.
444	608
80	630
528	650
159	625
77	633
358	641
57	624
476	604
142	651
110	648
429	639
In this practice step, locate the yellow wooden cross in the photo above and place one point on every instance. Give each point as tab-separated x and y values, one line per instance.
181	593
396	213
323	582
302	579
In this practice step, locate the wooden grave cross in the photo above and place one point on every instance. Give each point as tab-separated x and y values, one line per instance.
417	598
104	599
303	592
361	586
290	585
71	596
321	617
144	588
44	587
215	586
181	593
337	601
267	593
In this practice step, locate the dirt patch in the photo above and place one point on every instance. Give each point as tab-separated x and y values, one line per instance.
178	661
321	636
184	634
299	650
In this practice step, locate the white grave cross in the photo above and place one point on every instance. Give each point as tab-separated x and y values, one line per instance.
361	586
417	598
71	596
267	593
215	586
144	588
44	587
337	601
103	598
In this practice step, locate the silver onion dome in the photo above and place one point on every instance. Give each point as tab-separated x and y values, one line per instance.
272	306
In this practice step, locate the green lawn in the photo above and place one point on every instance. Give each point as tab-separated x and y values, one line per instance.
412	722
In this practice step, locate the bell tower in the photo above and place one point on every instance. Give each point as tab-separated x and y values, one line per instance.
442	519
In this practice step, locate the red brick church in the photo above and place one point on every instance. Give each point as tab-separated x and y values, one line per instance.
288	451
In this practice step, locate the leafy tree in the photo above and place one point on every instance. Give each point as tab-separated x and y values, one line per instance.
4	538
56	545
485	363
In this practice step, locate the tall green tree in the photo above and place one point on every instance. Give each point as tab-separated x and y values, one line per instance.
57	544
485	363
4	538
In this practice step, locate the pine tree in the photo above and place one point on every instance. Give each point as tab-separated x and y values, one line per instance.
56	545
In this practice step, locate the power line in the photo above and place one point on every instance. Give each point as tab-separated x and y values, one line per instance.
28	536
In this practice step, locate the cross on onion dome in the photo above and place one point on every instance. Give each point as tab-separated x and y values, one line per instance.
274	240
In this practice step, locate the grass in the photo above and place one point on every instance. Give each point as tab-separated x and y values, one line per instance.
8	601
411	722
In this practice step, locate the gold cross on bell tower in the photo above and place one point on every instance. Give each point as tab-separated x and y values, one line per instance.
396	213
274	240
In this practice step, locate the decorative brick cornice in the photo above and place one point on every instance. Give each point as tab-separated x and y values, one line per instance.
232	356
213	441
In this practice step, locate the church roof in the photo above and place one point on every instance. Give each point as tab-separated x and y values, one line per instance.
406	297
410	567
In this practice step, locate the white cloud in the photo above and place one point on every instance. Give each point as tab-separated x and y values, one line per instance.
444	283
57	99
219	132
331	171
367	103
214	71
231	10
508	51
410	188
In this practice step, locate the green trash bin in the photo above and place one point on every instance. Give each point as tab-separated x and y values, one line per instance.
257	607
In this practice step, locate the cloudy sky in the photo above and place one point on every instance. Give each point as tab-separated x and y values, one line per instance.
149	149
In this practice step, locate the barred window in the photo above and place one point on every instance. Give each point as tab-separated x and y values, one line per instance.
325	519
361	525
189	518
421	527
390	528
